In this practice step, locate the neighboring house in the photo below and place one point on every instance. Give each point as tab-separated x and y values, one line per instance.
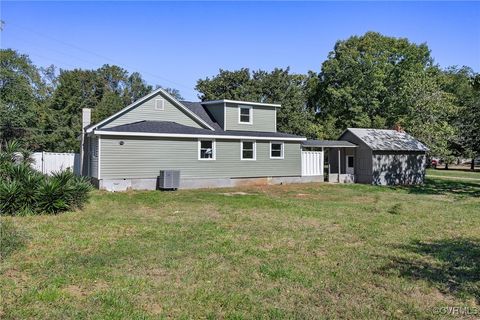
385	157
228	143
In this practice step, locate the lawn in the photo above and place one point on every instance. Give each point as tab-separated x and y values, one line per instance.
454	173
294	251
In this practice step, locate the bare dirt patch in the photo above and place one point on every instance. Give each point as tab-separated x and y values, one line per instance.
237	193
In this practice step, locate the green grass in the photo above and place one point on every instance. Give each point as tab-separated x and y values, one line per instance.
454	173
295	251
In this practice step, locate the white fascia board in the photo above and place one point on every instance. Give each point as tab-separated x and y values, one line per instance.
275	105
193	136
145	98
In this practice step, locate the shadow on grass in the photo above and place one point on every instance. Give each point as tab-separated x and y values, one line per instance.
446	187
451	265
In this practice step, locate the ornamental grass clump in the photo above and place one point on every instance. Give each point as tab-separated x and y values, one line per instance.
25	191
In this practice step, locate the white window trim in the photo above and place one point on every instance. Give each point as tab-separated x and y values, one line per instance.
214	150
254	150
346	159
160	104
99	163
282	150
250	114
275	120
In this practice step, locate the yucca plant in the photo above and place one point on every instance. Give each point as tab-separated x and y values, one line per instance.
81	187
24	190
51	197
10	197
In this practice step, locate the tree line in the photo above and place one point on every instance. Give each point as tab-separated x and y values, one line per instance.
370	81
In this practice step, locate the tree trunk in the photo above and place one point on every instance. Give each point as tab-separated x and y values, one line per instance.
472	165
446	165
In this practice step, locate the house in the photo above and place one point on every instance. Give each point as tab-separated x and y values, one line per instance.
385	157
226	143
213	144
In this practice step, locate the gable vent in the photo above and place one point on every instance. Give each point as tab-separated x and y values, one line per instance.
159	104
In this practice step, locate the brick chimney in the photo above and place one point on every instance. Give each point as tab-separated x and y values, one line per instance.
86	117
398	128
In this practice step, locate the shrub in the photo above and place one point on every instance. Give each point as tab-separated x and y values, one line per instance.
10	195
10	238
24	190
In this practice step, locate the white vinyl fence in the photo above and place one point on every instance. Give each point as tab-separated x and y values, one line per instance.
312	163
49	162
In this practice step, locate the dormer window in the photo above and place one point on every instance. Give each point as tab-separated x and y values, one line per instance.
245	114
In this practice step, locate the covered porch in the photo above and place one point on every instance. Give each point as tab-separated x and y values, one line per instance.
339	155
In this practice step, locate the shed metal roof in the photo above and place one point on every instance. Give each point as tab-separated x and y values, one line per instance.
388	140
328	144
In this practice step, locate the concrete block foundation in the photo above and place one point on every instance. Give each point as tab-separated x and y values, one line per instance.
119	185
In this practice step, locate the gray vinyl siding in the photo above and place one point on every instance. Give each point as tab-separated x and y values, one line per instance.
263	119
363	158
146	111
398	167
145	157
93	160
218	113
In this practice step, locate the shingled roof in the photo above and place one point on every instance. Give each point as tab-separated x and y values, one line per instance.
387	140
200	111
169	127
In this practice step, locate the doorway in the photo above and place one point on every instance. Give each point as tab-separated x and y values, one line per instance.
350	167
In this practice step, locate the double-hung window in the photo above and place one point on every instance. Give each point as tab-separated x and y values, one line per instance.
276	150
248	150
206	150
245	115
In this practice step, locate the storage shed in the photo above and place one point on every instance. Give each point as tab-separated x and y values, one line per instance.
386	157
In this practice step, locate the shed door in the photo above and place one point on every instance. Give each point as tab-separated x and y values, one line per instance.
312	163
350	160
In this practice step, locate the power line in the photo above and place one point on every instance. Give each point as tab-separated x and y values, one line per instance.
97	54
54	50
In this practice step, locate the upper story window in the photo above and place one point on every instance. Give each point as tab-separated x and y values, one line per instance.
245	115
206	150
276	150
249	150
159	104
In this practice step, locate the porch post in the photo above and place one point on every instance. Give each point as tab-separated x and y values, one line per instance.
339	162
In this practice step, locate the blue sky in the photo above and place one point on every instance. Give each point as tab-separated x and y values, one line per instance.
175	44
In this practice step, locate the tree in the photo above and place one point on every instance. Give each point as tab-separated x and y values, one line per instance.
462	83
278	86
173	92
105	90
136	88
428	114
22	94
379	82
362	76
76	89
